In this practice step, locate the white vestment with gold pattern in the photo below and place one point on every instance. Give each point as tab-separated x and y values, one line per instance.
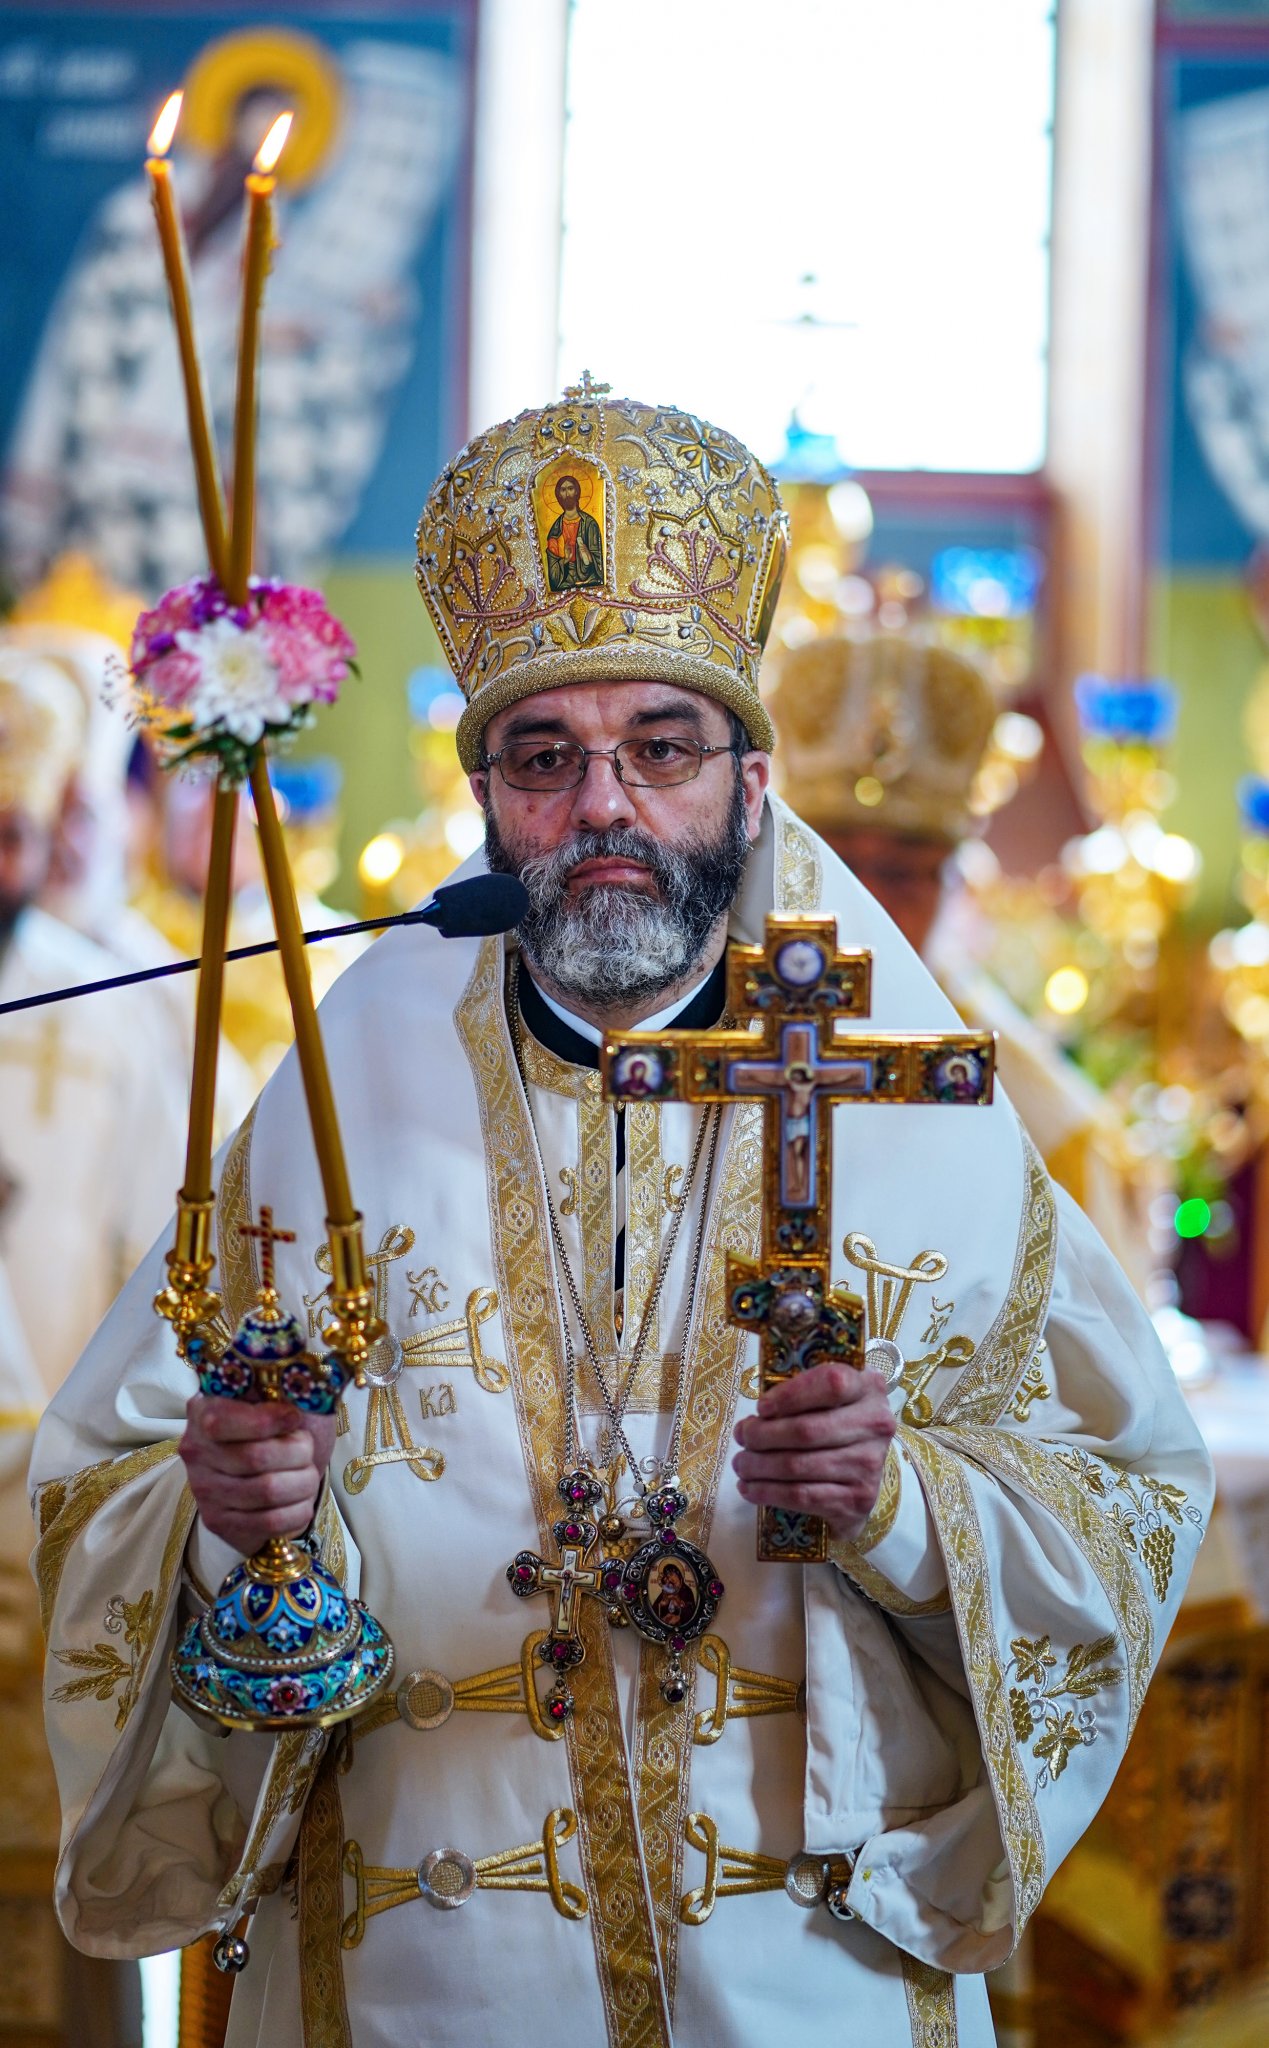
92	1130
945	1703
92	1112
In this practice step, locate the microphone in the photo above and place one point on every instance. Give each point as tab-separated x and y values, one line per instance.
474	909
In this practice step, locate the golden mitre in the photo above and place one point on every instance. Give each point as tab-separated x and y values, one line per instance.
77	618
598	539
41	732
884	730
74	593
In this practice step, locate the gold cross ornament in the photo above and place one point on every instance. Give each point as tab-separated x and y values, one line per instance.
586	388
267	1237
789	994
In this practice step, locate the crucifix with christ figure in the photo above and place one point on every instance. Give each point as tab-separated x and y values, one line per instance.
796	987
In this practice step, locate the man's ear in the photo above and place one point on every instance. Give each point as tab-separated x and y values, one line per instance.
478	783
755	776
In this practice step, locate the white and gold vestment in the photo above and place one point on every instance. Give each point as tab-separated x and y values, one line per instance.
944	1704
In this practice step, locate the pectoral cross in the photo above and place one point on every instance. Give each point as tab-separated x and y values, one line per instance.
576	1534
797	986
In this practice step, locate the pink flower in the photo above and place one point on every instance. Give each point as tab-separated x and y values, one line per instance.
172	678
291	658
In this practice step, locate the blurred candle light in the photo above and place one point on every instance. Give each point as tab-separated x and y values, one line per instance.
1066	991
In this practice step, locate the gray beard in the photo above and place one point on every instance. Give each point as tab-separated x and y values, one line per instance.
611	945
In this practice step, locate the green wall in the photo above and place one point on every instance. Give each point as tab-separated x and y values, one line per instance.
1204	639
368	730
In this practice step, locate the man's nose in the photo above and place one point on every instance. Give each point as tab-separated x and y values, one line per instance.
601	799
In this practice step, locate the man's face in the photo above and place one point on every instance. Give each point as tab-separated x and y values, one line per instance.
905	875
627	885
25	847
568	491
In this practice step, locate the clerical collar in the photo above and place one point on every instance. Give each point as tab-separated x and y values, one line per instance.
573	1039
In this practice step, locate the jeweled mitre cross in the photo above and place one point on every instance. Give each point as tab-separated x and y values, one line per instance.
795	988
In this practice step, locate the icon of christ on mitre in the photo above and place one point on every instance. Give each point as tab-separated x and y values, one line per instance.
636	1784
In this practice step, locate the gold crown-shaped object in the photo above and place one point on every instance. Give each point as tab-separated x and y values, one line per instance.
883	730
601	539
75	593
41	732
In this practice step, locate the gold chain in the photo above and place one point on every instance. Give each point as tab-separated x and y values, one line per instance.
616	1410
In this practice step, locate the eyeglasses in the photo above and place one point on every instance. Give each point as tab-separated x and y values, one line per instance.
657	762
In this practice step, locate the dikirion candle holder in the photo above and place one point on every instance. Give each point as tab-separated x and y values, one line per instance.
282	1645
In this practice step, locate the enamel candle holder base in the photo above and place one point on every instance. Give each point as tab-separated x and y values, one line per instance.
282	1645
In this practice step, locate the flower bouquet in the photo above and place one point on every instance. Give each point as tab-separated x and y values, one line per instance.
212	680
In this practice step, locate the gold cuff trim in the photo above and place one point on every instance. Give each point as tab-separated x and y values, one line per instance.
882	1519
64	1514
879	1588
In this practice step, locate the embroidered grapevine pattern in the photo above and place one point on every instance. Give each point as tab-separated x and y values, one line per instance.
1034	1701
1149	1519
103	1668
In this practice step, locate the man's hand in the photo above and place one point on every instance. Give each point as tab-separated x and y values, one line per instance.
817	1445
254	1468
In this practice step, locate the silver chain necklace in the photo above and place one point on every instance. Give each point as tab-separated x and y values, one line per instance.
668	1589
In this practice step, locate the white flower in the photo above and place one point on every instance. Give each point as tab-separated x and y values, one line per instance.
238	686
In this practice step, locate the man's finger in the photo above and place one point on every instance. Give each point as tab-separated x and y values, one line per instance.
258	1494
825	1386
817	1428
835	1464
838	1505
223	1421
244	1457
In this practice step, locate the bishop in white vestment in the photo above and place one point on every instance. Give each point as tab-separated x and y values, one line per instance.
878	1759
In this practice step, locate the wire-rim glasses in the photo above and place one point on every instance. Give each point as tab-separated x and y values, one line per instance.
654	761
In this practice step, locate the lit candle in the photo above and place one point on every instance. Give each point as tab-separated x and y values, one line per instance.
255	265
172	241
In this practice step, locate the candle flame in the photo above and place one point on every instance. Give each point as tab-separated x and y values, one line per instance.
274	143
165	127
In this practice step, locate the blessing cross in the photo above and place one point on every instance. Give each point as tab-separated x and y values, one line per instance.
795	987
268	1236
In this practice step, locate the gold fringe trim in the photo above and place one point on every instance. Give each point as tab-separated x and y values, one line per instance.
985	1388
931	1996
235	1254
323	2003
951	1501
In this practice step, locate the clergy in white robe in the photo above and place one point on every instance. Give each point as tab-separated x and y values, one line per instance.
91	1113
879	1759
882	738
91	1091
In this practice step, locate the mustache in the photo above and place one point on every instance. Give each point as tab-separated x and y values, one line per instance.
546	875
